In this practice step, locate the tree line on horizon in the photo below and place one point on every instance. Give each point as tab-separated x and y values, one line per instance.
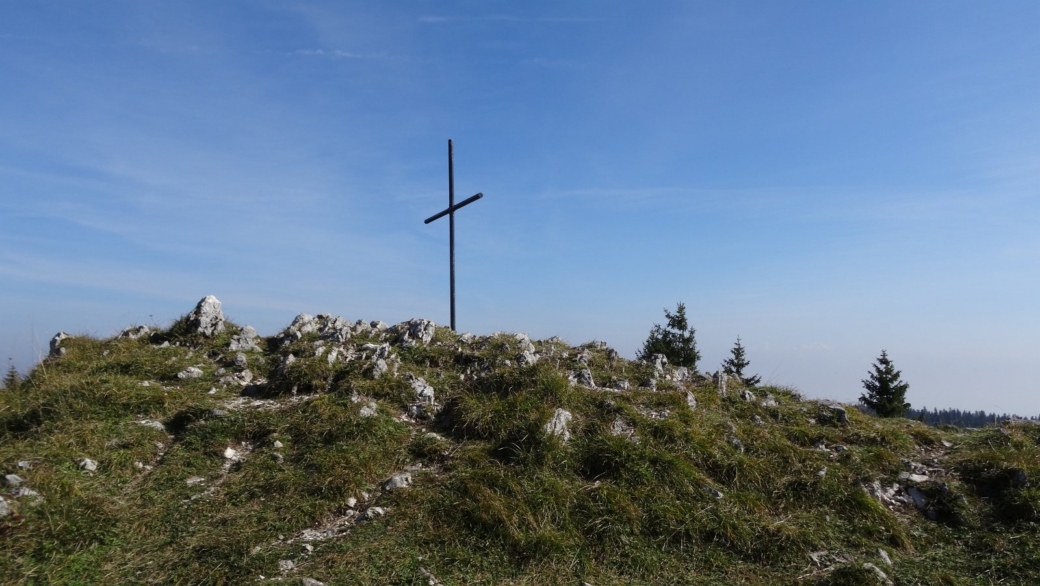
884	390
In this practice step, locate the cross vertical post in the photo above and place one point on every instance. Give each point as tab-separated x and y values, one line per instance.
450	212
451	227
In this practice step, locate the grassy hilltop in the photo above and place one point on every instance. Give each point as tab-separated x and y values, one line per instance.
352	453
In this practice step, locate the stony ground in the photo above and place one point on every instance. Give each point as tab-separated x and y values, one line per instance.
344	452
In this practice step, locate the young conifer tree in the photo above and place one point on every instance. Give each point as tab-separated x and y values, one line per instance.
11	379
676	341
886	393
735	365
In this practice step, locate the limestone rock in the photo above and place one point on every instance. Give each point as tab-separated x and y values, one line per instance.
621	428
769	401
882	577
207	318
156	425
241	362
5	509
557	426
650	383
134	332
691	401
371	513
13	480
88	464
583	357
622	385
311	582
526	358
378	369
245	341
659	361
397	481
56	349
423	391
415	332
747	396
681	374
368	409
582	377
190	372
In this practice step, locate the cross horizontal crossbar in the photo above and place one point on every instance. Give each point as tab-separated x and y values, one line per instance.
462	203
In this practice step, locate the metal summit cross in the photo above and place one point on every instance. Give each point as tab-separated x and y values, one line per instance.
450	212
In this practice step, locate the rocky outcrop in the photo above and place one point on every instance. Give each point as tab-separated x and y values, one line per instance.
206	319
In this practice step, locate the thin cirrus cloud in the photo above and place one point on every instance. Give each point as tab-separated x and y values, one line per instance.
433	19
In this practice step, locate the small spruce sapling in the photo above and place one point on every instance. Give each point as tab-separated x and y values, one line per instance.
735	365
676	341
11	379
886	393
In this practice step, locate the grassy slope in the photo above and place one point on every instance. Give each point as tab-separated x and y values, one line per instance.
497	500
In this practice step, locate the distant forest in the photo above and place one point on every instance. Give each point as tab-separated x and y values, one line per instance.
961	418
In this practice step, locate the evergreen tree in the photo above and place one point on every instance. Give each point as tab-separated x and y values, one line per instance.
11	379
735	365
886	394
676	340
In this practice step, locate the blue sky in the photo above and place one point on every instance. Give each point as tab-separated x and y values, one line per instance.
823	179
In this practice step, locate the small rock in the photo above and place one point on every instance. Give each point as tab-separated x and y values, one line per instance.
245	341
397	481
650	383
156	425
582	377
622	385
884	557
278	458
5	509
415	331
369	409
372	513
714	492
88	464
286	565
681	374
218	413
757	420
207	318
190	372
621	428
134	332
351	502
311	582
919	498
24	464
423	391
557	426
691	400
241	361
822	472
659	361
56	349
378	369
769	401
526	358
881	576
13	480
194	480
277	444
747	395
946	444
583	357
230	453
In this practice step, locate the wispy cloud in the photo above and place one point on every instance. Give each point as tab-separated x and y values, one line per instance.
432	19
341	54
